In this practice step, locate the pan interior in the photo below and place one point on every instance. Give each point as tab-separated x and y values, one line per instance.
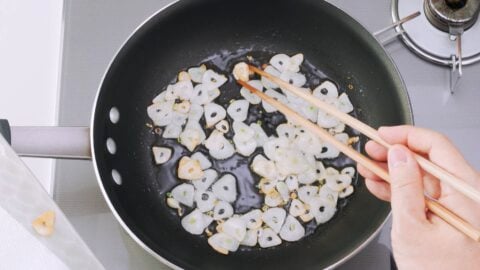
221	32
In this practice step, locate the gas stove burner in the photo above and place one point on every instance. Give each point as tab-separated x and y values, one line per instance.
446	34
431	43
452	16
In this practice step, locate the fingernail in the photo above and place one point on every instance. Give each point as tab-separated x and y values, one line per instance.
397	157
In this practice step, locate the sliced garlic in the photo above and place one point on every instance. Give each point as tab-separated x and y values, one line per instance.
195	113
268	238
213	114
183	90
260	135
226	188
172	203
249	96
344	103
196	222
44	224
253	219
222	210
161	113
345	192
307	193
200	95
275	95
172	131
286	130
212	80
244	147
292	230
323	211
267	83
222	126
283	191
206	181
184	194
223	243
202	159
182	107
328	194
196	73
238	110
235	227
184	76
219	147
297	208
274	218
326	90
161	154
338	183
191	137
264	167
205	200
241	71
189	169
280	61
292	182
350	171
273	199
293	78
250	239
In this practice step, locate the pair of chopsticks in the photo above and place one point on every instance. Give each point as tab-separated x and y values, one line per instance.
435	207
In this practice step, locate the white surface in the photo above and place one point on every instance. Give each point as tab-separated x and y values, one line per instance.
17	240
30	46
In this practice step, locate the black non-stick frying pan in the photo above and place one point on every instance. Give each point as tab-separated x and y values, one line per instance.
222	33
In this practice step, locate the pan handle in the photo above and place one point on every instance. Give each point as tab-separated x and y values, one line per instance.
51	142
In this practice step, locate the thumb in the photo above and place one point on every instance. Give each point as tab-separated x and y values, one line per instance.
407	199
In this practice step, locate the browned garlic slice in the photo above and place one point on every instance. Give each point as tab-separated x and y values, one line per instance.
189	169
45	223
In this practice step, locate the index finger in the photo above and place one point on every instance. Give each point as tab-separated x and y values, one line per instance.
427	142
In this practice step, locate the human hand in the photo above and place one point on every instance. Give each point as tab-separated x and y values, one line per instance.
421	240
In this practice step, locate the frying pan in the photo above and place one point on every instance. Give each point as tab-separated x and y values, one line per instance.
222	33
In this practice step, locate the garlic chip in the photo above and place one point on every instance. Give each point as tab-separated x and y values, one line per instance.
184	194
292	230
212	80
202	159
213	114
268	238
172	131
196	222
189	169
241	71
45	223
223	243
235	227
249	96
238	110
346	192
219	147
205	200
161	154
222	126
226	188
206	181
267	83
297	208
161	113
253	219
250	239
274	218
222	210
260	136
326	90
196	73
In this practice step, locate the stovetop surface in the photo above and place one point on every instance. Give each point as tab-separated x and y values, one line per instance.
87	52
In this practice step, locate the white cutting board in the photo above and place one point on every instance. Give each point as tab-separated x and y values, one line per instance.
30	50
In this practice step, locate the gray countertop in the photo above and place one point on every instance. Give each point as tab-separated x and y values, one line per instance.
86	54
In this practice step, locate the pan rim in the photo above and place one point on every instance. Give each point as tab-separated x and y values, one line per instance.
142	244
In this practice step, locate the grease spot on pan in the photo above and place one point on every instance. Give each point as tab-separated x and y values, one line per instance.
114	115
117	178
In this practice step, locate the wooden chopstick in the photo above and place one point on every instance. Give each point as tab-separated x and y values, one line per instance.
371	133
436	208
